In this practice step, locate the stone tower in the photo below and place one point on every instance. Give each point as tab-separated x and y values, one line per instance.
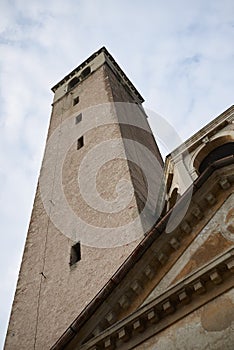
94	201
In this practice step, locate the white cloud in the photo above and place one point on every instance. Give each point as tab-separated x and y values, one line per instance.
179	54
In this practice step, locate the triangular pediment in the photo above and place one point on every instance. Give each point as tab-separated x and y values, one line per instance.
215	238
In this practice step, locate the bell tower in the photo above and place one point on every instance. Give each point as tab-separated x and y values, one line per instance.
95	200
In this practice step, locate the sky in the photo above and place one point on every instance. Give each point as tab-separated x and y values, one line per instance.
178	54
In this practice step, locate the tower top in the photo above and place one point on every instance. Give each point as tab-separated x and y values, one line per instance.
96	60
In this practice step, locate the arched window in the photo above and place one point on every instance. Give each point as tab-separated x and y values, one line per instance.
85	72
73	83
218	153
174	197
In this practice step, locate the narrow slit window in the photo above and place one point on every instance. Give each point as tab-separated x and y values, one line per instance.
75	254
78	118
80	142
76	100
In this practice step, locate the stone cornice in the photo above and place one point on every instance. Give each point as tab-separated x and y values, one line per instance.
209	281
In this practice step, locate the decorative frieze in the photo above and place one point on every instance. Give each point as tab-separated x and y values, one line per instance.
211	199
161	252
136	287
138	325
111	317
124	302
185	227
124	334
183	296
162	258
153	316
168	307
149	272
109	344
199	287
230	265
185	292
216	277
224	183
174	242
197	213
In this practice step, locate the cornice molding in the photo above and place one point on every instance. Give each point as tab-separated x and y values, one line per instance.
209	281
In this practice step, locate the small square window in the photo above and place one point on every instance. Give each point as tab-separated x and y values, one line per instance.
76	100
78	118
80	142
75	253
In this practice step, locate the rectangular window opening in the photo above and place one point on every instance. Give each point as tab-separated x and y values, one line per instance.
76	100
78	118
80	142
75	254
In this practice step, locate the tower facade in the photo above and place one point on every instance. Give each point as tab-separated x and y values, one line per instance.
94	201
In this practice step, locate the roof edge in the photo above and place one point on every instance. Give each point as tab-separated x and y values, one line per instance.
205	130
88	60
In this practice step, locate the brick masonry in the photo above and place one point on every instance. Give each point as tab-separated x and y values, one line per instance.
50	293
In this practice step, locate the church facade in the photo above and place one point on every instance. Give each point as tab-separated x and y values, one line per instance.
124	251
